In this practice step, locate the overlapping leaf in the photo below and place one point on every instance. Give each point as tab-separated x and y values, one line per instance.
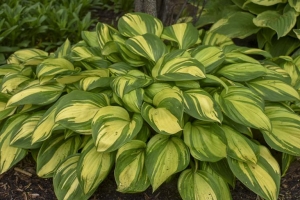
133	24
166	116
240	147
130	172
211	57
200	105
10	155
243	106
76	110
204	141
165	156
263	178
185	34
285	133
198	185
53	152
65	181
5	111
148	46
93	167
242	71
12	83
112	127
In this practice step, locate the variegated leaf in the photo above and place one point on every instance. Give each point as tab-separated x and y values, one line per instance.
22	136
12	83
130	171
54	67
93	167
134	100
204	141
76	110
242	71
129	57
30	56
133	80
104	33
185	34
148	46
5	111
112	127
37	94
239	146
165	156
236	25
295	4
200	105
222	184
10	69
53	152
9	155
198	185
45	126
285	133
263	178
179	69
209	56
236	57
281	23
133	24
166	117
65	181
222	169
243	106
273	90
63	50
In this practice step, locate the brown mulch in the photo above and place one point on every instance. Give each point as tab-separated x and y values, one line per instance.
22	183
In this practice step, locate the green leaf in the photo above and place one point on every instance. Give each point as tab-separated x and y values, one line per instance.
90	37
166	116
273	90
104	34
130	171
295	4
10	155
65	181
237	57
209	56
37	94
112	127
53	152
5	111
285	133
200	105
267	2
134	100
148	46
76	110
286	161
239	146
263	178
179	69
282	24
63	50
165	156
236	25
198	185
93	167
242	71
133	24
204	141
29	56
185	34
243	106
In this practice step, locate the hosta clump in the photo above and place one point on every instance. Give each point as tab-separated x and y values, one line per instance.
149	101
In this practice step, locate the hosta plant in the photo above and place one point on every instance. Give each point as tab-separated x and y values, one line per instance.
276	23
148	102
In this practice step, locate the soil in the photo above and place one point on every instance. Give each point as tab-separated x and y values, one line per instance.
22	183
